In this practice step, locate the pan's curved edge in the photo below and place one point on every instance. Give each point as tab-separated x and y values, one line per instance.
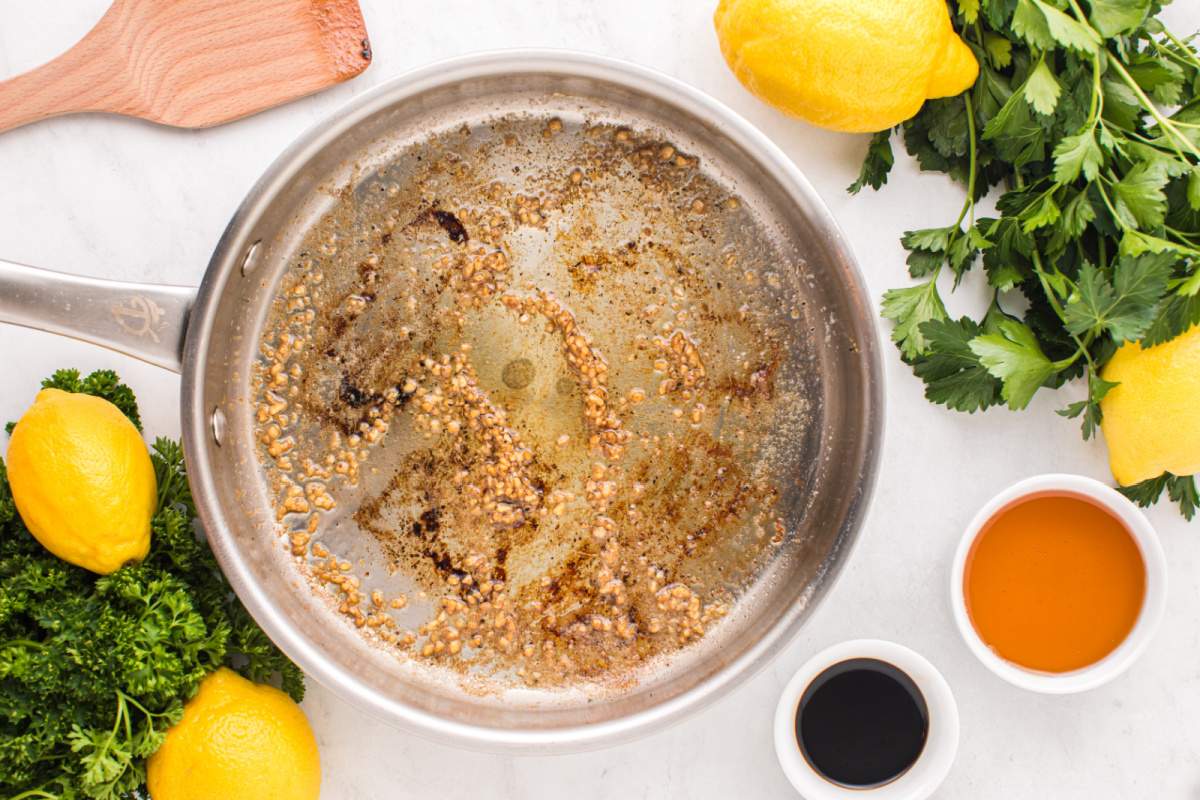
196	422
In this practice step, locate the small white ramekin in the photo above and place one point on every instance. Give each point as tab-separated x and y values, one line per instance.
941	742
1153	604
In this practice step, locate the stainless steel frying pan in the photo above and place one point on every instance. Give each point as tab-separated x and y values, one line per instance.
211	336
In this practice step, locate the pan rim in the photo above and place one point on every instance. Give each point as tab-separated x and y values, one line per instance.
196	426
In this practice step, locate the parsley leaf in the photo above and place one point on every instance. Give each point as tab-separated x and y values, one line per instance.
1030	24
948	127
1076	154
1013	355
1178	314
1042	89
933	240
1139	196
999	50
877	163
1124	307
1078	212
1068	32
952	372
909	308
1163	80
1014	132
1042	214
1044	27
1089	409
1008	261
1180	489
1115	17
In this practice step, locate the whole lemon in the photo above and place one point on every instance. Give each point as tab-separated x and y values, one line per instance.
848	65
237	741
82	480
1149	420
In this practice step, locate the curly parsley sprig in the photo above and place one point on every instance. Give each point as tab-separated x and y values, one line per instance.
1086	115
93	670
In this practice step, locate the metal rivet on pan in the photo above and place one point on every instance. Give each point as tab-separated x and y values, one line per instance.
250	260
217	422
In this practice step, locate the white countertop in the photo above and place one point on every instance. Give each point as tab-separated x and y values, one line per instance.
123	199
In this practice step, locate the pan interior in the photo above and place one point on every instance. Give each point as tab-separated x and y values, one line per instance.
546	410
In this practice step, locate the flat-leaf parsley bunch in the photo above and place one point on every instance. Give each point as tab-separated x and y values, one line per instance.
94	669
1086	114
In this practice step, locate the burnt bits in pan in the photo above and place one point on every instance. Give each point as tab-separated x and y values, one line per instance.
535	370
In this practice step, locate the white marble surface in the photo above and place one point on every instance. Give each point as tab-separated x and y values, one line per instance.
124	199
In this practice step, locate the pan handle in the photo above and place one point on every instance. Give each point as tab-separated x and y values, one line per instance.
144	320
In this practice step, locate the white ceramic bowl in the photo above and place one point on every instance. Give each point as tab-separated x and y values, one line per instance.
941	742
1153	603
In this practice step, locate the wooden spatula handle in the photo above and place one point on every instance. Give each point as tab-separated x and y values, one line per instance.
195	63
85	78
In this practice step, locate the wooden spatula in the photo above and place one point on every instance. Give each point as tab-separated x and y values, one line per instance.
195	63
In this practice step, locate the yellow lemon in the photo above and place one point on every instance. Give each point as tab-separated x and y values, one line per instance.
1150	420
82	480
848	65
237	741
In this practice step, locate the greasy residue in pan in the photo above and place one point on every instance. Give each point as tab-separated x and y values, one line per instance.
543	371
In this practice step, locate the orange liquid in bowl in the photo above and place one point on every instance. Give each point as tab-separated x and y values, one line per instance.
1054	582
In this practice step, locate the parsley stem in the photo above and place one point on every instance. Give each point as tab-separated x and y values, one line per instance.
1062	364
1171	54
1181	234
1044	280
139	706
24	643
1097	94
1108	202
1081	348
122	715
1191	54
1168	147
971	144
1164	124
969	204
